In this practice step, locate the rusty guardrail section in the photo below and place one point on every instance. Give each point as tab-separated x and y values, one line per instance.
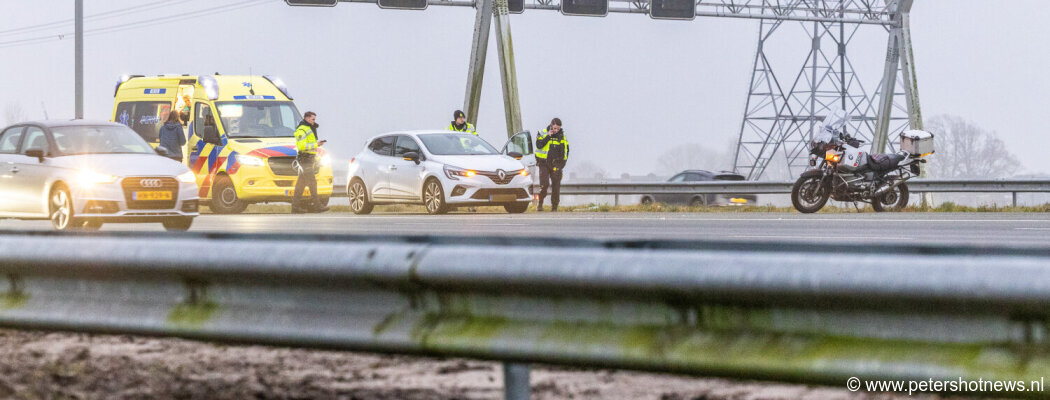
812	314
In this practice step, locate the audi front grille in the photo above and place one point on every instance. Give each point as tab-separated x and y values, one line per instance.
150	184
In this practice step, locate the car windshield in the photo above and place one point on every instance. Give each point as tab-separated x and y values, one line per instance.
446	144
258	118
103	139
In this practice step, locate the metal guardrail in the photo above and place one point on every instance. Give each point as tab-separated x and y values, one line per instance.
814	314
1013	186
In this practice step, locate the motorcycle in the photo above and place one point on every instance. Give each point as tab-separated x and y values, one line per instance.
844	172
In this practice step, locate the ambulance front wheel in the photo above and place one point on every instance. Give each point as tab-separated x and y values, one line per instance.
224	198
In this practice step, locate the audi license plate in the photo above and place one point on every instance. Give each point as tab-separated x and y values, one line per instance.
502	198
151	195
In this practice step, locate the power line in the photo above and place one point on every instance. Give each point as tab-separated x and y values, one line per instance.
134	25
98	16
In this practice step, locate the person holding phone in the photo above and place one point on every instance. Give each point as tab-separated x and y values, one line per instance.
552	152
306	144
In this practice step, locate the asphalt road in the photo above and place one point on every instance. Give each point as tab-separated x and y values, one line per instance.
949	228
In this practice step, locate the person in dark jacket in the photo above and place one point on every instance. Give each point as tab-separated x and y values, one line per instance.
172	138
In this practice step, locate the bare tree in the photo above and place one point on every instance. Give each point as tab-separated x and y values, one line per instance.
14	113
586	170
693	156
967	151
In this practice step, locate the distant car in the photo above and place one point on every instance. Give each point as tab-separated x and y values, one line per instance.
696	200
439	170
81	174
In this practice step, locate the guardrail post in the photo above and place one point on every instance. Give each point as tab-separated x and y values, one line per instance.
516	381
1015	198
616	200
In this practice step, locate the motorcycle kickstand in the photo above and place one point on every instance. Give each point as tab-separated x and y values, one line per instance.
857	207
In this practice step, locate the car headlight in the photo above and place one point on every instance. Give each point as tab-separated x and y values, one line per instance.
187	177
326	160
87	178
524	172
456	173
250	160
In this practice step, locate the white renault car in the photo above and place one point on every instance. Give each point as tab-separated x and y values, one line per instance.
441	170
81	174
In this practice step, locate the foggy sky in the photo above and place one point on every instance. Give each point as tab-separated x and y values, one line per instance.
628	88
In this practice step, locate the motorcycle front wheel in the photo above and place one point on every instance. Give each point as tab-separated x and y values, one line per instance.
808	195
894	200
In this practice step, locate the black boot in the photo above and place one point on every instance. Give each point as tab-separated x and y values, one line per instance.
539	207
318	207
297	208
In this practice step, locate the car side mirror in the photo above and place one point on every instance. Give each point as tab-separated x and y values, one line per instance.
411	156
38	153
516	155
161	151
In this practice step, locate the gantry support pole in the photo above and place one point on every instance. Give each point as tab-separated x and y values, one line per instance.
508	75
911	85
478	51
78	59
889	86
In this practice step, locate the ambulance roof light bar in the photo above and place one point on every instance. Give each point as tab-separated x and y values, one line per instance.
121	80
210	85
280	85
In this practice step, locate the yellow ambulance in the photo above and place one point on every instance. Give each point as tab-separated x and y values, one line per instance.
240	130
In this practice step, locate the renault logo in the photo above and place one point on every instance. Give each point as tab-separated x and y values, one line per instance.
150	183
502	174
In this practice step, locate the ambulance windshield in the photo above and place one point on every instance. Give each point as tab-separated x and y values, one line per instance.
247	119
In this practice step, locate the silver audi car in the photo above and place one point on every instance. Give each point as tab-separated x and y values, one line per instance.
81	174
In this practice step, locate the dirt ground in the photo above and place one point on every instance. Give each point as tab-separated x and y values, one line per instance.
43	365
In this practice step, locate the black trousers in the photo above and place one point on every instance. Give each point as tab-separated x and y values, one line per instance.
550	177
307	177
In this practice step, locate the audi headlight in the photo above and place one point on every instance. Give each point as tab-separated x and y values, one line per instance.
456	173
326	160
187	177
88	178
250	160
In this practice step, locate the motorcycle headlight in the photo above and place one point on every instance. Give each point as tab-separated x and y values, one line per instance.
326	160
251	160
87	178
187	177
832	156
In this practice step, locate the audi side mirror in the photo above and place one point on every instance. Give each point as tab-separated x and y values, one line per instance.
516	155
411	156
38	153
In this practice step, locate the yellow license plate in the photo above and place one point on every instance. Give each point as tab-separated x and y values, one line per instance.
151	195
738	200
496	198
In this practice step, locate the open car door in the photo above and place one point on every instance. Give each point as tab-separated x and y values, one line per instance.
521	143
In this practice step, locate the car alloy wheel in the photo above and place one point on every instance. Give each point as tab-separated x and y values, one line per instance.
434	197
61	210
357	196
